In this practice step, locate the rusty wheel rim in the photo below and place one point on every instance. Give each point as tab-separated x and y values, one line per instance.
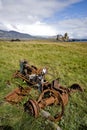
57	95
32	108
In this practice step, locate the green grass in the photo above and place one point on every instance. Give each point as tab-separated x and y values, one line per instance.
68	61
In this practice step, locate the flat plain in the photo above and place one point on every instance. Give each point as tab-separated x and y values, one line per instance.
64	60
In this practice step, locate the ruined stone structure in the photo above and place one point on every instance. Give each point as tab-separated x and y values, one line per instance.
64	38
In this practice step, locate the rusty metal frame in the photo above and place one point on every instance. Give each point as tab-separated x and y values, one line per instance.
58	94
34	106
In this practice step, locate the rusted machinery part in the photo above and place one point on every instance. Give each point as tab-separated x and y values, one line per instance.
52	93
55	85
57	95
31	69
19	75
65	97
15	75
75	87
31	106
62	91
25	66
23	91
34	67
25	78
17	95
46	85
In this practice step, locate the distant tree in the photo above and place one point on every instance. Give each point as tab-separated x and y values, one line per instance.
12	40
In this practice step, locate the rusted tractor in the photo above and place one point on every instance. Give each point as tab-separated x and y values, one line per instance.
56	95
51	93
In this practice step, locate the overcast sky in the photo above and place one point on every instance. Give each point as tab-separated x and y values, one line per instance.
45	17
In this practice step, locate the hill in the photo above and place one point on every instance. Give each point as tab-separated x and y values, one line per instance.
14	35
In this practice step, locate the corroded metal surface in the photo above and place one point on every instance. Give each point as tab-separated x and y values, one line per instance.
17	94
32	107
50	92
31	74
53	93
35	106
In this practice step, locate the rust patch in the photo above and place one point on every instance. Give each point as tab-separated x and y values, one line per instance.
17	95
51	93
34	107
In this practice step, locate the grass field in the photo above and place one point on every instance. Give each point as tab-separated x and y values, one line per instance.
67	61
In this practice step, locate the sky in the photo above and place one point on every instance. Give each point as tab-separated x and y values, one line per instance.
45	17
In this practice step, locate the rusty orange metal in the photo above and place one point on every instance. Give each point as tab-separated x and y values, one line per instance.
17	95
34	107
57	94
51	93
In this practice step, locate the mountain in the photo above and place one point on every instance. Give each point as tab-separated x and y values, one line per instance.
14	35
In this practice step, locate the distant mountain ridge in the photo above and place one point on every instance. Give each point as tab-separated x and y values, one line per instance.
14	35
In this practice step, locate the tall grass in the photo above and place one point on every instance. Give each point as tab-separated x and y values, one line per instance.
67	61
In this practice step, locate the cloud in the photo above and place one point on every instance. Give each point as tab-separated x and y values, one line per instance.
29	16
0	5
38	28
76	28
27	11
